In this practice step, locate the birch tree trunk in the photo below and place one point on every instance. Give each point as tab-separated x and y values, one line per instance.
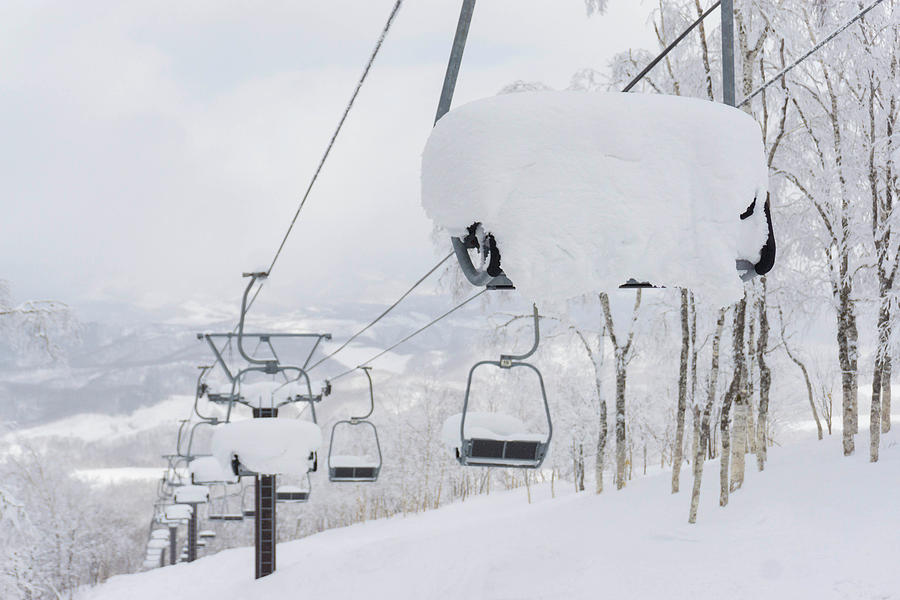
596	357
886	395
765	380
735	390
622	356
702	439
682	393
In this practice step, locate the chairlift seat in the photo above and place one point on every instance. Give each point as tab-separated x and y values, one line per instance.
291	494
249	513
192	494
207	534
157	544
353	469
206	470
226	517
495	440
178	512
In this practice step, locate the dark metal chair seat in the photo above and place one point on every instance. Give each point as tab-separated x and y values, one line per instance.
354	474
484	452
227	517
292	496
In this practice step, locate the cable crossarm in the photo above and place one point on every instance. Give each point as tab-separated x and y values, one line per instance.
812	51
671	47
410	336
362	79
383	314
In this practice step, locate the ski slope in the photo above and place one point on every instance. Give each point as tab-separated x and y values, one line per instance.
814	525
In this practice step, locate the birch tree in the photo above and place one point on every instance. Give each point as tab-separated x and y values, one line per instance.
623	353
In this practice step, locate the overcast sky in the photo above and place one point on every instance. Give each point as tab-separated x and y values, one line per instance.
153	150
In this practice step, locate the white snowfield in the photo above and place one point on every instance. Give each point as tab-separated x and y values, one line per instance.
814	525
349	461
206	470
187	494
267	446
491	426
583	191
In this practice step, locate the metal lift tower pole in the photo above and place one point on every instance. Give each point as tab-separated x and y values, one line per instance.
173	544
728	52
192	533
265	511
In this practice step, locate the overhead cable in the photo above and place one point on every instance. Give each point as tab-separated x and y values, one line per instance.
362	79
410	336
383	314
815	48
670	47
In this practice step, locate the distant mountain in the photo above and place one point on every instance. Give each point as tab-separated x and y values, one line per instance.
115	370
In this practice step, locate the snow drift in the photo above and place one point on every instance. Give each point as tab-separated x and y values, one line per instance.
583	191
814	524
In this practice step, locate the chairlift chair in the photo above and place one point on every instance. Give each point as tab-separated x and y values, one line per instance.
354	468
220	511
292	494
491	448
207	534
248	513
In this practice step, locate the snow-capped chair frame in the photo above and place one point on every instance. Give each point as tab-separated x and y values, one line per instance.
360	471
490	452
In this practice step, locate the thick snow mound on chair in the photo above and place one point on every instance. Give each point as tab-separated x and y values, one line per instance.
178	512
206	469
491	426
189	494
267	446
583	191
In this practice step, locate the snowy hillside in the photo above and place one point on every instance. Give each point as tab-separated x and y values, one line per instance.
814	525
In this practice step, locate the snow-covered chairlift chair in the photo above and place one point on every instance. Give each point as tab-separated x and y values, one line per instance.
582	192
495	439
356	468
219	509
294	494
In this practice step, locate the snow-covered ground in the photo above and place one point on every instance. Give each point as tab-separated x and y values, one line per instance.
813	525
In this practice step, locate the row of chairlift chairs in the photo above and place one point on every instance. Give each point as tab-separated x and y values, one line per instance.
188	473
234	500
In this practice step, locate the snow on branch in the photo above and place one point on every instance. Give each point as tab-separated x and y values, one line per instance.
595	7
